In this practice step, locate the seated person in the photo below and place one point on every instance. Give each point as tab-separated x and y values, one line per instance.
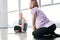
22	25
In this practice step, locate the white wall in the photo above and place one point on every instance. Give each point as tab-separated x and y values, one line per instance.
3	13
0	34
3	19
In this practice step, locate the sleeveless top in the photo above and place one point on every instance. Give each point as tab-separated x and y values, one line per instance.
20	21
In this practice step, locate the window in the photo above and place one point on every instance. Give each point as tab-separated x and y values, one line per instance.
24	4
45	2
38	2
13	18
12	5
13	10
56	1
27	16
52	12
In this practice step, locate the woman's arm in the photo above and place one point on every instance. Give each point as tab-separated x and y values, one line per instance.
33	21
23	22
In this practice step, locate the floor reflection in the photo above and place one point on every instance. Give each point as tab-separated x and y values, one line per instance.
22	36
27	35
0	34
9	34
4	34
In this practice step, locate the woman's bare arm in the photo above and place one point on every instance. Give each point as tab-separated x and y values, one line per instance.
23	22
33	21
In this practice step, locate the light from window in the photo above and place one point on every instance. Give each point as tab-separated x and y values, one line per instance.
24	4
45	2
12	5
27	16
13	19
56	1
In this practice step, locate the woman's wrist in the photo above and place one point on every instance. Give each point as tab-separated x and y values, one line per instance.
33	27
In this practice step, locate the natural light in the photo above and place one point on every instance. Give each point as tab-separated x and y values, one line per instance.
13	10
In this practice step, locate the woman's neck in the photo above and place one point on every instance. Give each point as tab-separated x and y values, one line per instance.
21	17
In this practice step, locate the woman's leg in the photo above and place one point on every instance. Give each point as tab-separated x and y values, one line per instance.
25	27
44	31
51	29
39	32
17	29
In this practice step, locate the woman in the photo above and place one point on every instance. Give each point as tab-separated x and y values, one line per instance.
40	23
22	25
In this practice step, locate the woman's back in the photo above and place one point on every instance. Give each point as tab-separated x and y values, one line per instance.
41	18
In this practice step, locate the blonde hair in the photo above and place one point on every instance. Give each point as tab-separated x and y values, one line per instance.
20	14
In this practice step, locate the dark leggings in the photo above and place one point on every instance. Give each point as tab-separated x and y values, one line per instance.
19	28
43	31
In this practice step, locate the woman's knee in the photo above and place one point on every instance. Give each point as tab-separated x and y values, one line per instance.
54	27
33	33
36	34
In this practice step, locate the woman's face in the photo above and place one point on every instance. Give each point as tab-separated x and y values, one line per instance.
20	15
31	5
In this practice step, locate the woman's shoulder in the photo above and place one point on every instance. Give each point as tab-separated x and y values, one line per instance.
35	8
23	18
